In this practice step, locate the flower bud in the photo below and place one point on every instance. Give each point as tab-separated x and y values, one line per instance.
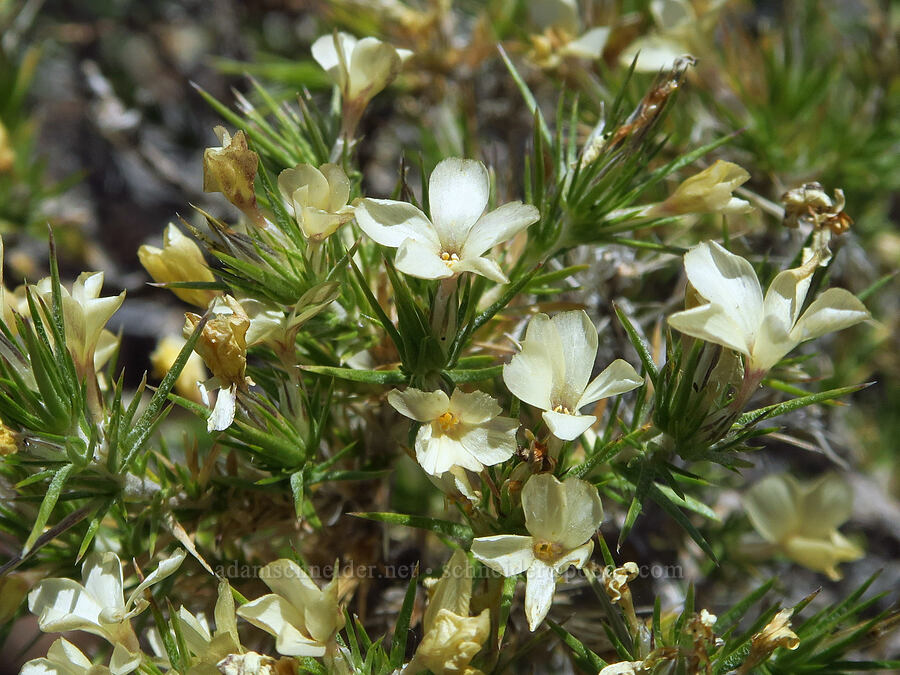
707	192
180	259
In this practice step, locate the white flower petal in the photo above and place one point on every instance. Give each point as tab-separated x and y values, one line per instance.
422	260
786	294
102	577
835	309
438	453
727	280
825	505
567	513
313	183
577	557
165	568
272	613
222	414
63	604
338	187
578	341
422	406
590	45
373	66
508	554
326	55
654	53
482	266
713	323
453	591
473	407
539	589
567	427
617	378
491	443
390	222
771	506
63	651
458	192
539	368
498	226
123	661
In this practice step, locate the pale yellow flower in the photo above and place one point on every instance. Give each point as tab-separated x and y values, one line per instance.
763	329
452	638
85	315
801	519
464	429
163	357
179	260
64	658
709	191
553	369
303	618
97	605
318	198
561	518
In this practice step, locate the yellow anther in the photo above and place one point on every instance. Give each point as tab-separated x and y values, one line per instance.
447	421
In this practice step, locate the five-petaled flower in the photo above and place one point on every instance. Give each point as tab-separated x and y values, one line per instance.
97	605
463	429
801	519
303	618
459	232
737	315
551	372
561	518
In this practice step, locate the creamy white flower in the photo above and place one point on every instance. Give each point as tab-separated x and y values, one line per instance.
85	313
623	668
464	429
459	232
679	30
207	647
360	68
64	658
98	605
801	519
762	329
451	638
303	618
318	198
709	191
551	372
561	518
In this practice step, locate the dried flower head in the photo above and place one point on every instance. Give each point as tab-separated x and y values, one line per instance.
231	170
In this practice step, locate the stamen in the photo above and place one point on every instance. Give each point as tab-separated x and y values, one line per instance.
447	421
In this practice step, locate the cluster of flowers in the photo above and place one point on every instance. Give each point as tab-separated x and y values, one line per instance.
459	433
